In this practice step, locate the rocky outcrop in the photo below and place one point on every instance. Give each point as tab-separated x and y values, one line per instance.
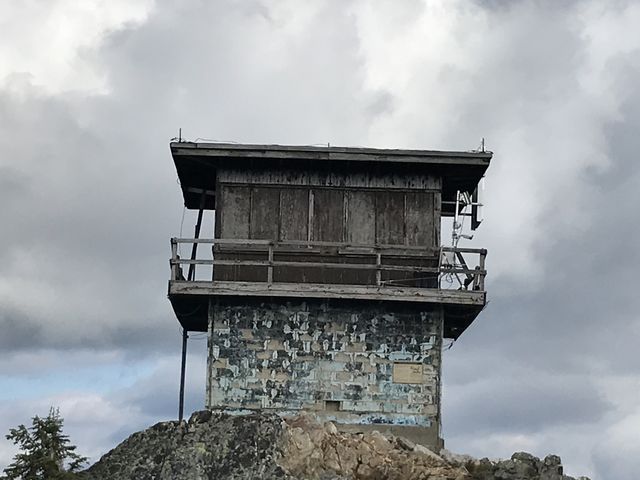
521	466
313	451
215	445
208	446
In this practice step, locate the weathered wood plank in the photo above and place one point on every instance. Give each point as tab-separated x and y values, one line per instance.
342	180
328	215
249	241
390	218
173	264
331	153
265	213
234	212
361	218
420	221
294	214
225	241
452	297
480	251
340	266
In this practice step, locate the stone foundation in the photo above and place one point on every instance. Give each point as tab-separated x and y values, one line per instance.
355	363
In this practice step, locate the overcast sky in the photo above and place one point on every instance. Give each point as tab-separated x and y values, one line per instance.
91	93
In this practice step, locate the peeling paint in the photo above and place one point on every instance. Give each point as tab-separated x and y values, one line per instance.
287	356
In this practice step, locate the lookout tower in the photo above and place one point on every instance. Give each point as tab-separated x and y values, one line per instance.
324	286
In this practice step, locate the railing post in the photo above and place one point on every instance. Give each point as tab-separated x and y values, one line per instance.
174	259
379	268
270	267
476	279
440	267
213	262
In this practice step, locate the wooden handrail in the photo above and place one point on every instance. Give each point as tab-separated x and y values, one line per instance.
474	277
348	266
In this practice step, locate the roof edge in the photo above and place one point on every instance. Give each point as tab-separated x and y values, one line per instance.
201	148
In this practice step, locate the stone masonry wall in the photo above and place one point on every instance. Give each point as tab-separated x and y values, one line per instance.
347	361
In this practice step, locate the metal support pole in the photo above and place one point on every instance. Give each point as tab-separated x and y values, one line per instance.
192	268
183	369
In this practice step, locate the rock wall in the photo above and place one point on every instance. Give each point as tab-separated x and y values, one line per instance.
350	362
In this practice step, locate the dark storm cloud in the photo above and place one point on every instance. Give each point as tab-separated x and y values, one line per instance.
19	332
135	335
524	402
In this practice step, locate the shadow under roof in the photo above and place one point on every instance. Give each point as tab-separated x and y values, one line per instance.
197	164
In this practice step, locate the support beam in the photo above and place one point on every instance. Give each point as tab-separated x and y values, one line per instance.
194	249
183	369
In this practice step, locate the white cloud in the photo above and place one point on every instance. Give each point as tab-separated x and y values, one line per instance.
457	72
617	453
48	40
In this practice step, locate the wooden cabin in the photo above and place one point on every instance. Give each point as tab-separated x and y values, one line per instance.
324	286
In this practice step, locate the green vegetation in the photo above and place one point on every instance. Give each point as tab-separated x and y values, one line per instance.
45	452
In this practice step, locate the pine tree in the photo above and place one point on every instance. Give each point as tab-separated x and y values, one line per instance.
45	451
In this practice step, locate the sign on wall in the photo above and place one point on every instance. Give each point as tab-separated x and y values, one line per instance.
407	373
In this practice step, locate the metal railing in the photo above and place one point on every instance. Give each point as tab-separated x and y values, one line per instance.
444	267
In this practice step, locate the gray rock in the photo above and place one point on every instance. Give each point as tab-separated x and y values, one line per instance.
208	446
215	445
405	444
551	468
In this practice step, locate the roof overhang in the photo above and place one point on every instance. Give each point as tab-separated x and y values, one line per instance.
197	164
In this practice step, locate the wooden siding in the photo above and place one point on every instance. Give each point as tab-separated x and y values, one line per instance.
265	213
420	221
305	178
294	214
367	214
364	217
390	218
328	215
233	212
361	217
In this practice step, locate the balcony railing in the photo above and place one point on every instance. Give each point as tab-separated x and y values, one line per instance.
379	265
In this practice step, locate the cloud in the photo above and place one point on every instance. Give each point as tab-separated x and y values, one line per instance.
50	45
522	402
616	454
93	199
103	400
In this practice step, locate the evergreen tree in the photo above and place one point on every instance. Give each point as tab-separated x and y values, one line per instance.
45	451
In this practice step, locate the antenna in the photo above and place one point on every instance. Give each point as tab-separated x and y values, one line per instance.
464	200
